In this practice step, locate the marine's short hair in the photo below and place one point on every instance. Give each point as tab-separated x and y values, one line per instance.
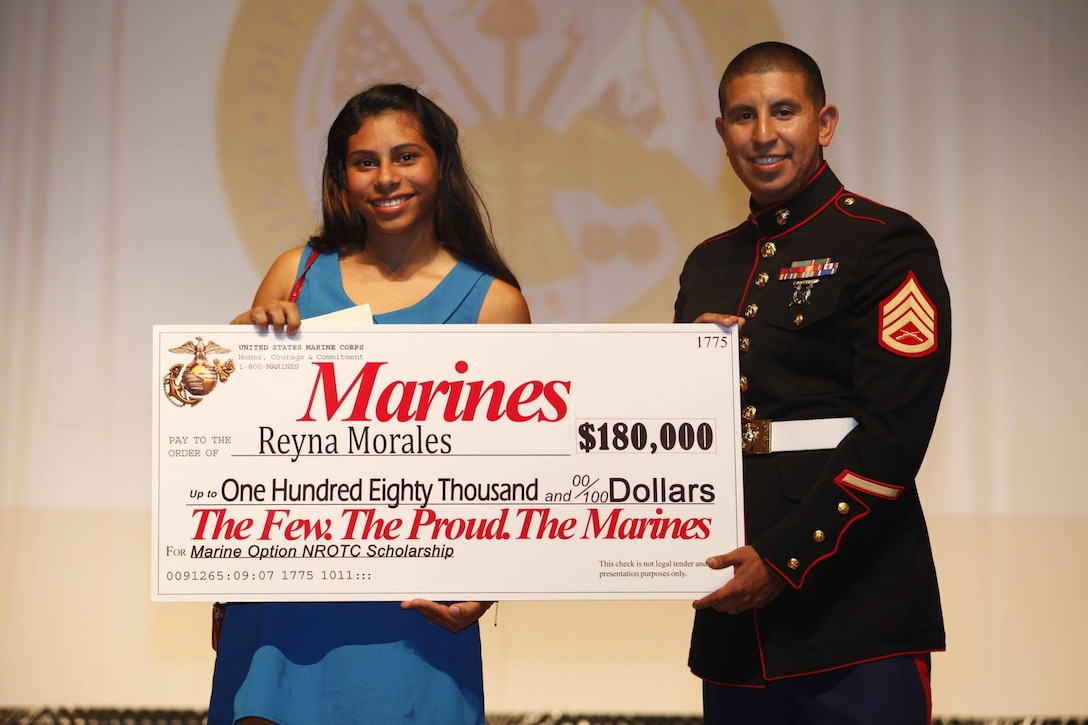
775	56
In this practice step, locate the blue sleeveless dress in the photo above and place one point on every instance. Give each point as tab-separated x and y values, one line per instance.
353	662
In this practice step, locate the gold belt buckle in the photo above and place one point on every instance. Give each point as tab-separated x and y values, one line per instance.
755	437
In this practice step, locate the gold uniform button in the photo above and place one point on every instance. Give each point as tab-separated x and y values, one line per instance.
745	344
818	536
762	279
798	320
751	310
743	384
844	508
793	564
848	201
749	412
768	250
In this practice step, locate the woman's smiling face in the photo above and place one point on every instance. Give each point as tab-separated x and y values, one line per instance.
392	176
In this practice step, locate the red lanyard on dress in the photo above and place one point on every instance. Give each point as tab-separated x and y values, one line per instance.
297	289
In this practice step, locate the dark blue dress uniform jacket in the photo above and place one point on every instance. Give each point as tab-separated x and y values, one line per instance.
868	339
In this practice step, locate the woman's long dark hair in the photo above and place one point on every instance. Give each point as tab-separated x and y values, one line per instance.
458	221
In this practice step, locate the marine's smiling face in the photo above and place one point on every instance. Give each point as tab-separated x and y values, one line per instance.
773	133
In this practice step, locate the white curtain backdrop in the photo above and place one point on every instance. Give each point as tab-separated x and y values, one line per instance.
155	156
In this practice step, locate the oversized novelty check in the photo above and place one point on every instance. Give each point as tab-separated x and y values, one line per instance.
453	462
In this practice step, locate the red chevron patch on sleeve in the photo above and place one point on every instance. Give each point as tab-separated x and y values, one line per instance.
908	320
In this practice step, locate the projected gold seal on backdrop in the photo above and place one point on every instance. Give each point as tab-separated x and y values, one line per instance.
589	127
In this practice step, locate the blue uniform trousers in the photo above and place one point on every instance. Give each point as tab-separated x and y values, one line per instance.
892	691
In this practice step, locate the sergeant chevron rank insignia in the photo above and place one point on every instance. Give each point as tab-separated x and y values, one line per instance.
908	321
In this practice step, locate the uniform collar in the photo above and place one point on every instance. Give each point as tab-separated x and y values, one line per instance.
783	217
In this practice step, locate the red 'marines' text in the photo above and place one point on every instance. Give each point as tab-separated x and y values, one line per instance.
372	399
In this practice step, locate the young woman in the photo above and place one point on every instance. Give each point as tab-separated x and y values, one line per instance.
402	231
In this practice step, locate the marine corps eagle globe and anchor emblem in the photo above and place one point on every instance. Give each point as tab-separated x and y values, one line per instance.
189	384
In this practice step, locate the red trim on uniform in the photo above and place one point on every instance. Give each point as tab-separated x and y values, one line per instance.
801	582
723	235
923	677
874	203
753	217
809	218
919	662
762	239
844	212
843	479
918	655
785	202
759	645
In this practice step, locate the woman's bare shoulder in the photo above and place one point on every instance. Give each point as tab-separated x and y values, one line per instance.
504	304
277	282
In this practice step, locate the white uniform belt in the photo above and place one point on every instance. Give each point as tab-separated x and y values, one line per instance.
774	436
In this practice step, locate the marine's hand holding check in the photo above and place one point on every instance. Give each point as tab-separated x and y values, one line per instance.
753	585
720	318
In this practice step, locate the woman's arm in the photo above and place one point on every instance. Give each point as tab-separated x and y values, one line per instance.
271	308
